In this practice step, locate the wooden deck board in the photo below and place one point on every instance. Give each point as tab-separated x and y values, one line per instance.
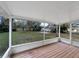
56	50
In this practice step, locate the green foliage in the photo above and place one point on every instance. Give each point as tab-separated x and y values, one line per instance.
63	28
4	27
36	26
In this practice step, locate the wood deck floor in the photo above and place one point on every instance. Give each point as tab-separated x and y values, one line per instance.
55	50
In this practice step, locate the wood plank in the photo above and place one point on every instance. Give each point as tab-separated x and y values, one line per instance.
56	50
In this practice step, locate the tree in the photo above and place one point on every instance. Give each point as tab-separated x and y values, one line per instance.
29	25
13	25
64	28
36	26
33	26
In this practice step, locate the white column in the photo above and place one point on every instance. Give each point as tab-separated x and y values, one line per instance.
10	32
59	31
71	33
44	33
56	30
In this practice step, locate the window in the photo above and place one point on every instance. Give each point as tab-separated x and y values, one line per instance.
25	31
51	31
75	31
4	35
65	29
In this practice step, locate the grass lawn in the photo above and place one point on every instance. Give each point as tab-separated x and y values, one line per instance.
75	36
65	35
25	37
4	39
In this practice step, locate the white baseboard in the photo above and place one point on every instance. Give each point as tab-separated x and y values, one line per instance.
74	43
65	40
7	53
27	46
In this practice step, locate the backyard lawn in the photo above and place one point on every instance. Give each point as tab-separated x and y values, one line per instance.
65	35
75	36
4	39
25	37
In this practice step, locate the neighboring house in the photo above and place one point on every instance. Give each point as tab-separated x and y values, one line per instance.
1	20
75	28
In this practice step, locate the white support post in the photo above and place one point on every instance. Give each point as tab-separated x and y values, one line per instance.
10	32
59	33
71	33
44	33
56	30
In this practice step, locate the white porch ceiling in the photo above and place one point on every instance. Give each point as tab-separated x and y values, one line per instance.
54	11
